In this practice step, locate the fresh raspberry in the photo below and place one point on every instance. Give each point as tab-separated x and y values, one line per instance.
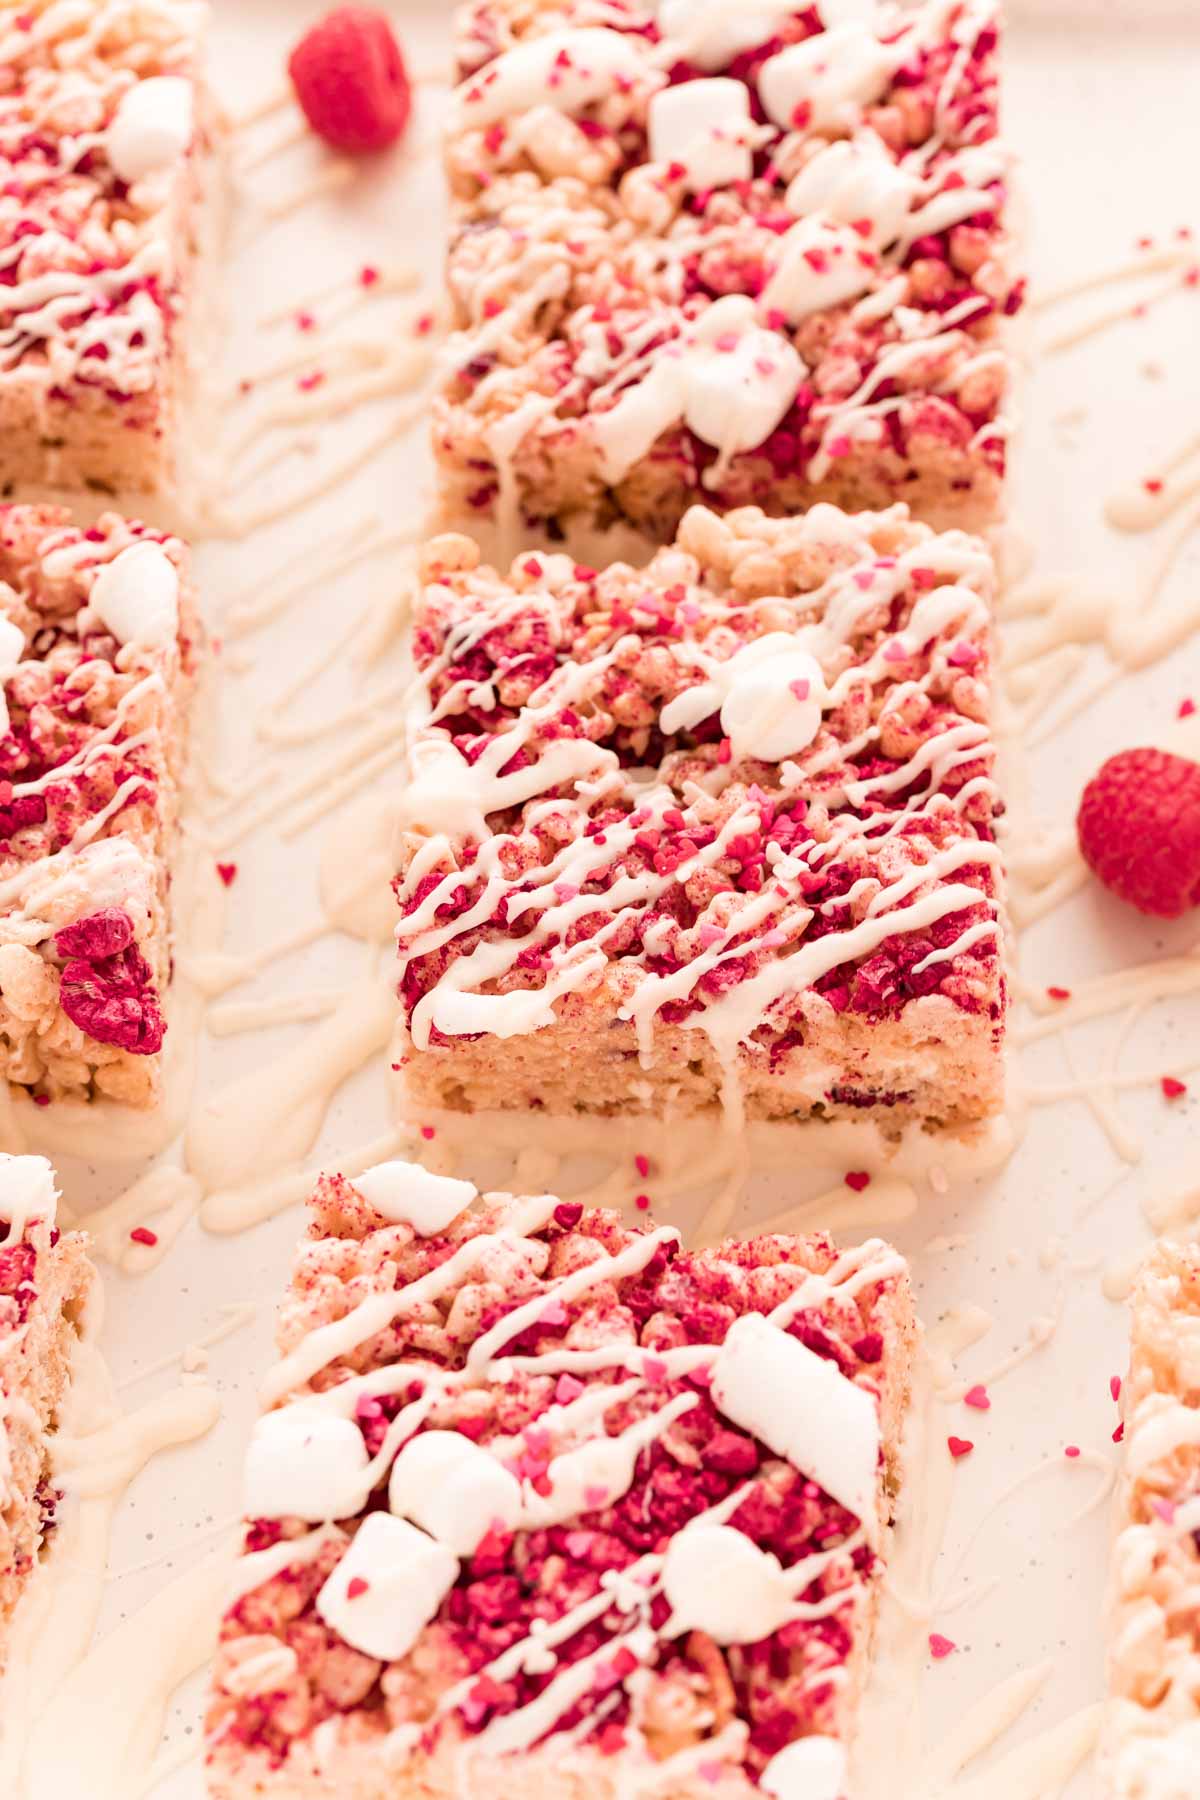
350	80
1139	830
107	987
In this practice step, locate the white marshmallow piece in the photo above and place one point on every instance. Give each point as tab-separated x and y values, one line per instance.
136	597
28	1191
568	70
152	126
818	265
813	1768
701	125
710	33
454	1490
387	1587
406	1194
855	182
304	1463
719	1582
803	1408
827	80
12	648
772	709
741	378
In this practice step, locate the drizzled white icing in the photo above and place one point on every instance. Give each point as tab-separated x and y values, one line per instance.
565	69
387	1586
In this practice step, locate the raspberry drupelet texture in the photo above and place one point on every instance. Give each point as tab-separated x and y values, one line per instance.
350	80
106	142
1150	1744
505	1442
719	829
98	647
45	1279
711	254
1139	830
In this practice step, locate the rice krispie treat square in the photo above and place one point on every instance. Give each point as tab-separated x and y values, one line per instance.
45	1279
744	255
106	134
547	1505
98	647
1150	1748
719	829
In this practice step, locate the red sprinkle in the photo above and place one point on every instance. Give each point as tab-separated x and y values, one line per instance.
368	276
142	1234
428	1132
1058	993
642	1165
978	1397
1172	1089
959	1446
857	1179
227	872
1114	1386
1186	708
355	1586
1119	1433
1153	485
642	1202
940	1647
1071	1450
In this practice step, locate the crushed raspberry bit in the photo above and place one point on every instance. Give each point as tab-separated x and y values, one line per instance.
428	1132
857	1179
941	1647
227	872
142	1234
1119	1433
1172	1088
1187	707
368	276
1058	993
642	1202
978	1397
1153	485
356	1587
306	321
107	986
1114	1386
959	1447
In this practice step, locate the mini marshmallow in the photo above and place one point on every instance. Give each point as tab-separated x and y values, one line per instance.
28	1191
400	1577
304	1463
855	182
701	125
12	648
813	1768
136	596
406	1194
741	378
567	70
817	265
454	1490
827	80
804	1409
772	709
152	126
710	33
721	1583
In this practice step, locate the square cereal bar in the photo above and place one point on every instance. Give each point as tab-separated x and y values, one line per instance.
548	1505
722	253
98	646
106	133
45	1278
1150	1748
716	829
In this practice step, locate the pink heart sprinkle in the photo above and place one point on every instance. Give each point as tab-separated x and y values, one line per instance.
940	1646
801	689
977	1397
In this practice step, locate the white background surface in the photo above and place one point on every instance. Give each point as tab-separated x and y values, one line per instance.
1106	120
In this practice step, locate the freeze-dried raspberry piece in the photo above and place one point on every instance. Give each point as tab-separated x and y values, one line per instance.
104	933
114	1000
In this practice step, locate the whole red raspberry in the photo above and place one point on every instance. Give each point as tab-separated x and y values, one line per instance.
350	80
1139	830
